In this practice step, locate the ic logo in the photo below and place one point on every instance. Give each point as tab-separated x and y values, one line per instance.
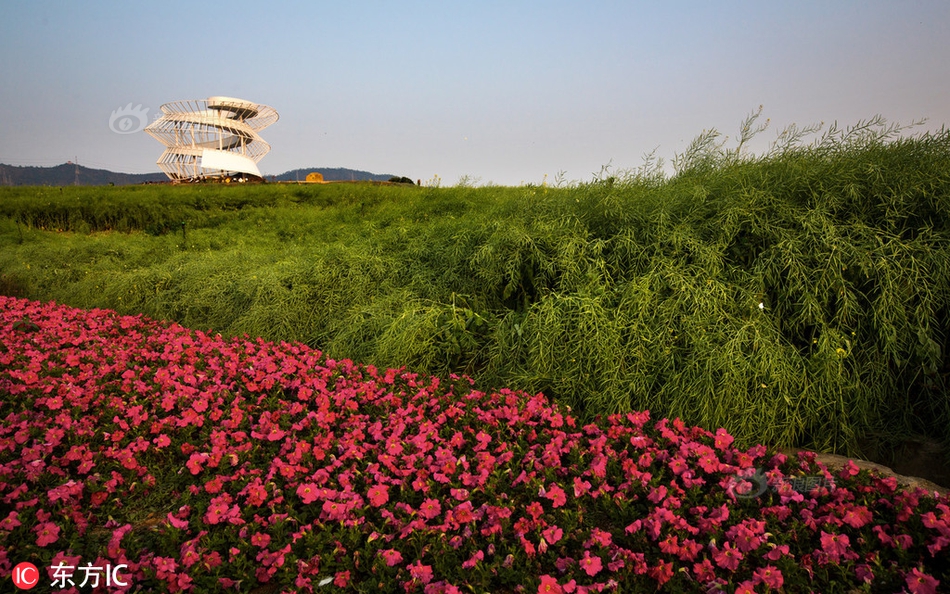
25	575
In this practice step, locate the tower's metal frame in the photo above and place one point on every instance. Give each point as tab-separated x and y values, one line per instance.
214	137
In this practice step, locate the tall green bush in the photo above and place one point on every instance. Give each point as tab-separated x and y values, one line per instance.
798	297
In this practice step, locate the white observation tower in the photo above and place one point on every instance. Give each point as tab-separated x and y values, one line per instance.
212	138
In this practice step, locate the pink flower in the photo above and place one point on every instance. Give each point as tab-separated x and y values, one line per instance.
473	560
552	534
777	553
678	466
196	461
175	522
221	510
430	509
746	539
421	572
921	583
342	579
463	513
46	533
164	566
378	495
835	545
581	487
260	539
728	557
600	537
10	522
549	585
857	517
307	493
591	564
770	576
556	495
704	570
662	573
723	439
849	469
904	541
392	557
746	587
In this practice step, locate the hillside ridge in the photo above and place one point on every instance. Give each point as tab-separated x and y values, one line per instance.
73	174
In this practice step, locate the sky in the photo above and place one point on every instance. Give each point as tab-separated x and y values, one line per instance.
485	92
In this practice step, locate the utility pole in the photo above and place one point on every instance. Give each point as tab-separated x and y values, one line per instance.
76	179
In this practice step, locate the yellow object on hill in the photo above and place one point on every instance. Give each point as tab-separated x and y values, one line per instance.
314	177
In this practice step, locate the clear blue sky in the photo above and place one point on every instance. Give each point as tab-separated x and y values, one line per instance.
504	92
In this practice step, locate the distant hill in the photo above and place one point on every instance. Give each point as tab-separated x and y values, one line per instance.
332	174
69	174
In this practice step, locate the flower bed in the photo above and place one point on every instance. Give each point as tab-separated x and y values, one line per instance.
197	463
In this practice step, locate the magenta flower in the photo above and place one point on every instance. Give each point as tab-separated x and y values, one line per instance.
835	545
535	510
777	552
473	560
591	564
549	585
728	557
342	579
600	537
919	582
392	557
770	576
175	522
723	439
46	533
285	449
857	516
864	573
421	572
746	587
552	534
430	509
463	513
10	522
378	495
581	487
306	491
556	495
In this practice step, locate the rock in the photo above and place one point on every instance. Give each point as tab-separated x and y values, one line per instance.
834	463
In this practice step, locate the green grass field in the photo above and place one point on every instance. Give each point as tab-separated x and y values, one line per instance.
798	298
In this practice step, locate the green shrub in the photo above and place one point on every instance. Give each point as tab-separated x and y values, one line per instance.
798	298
